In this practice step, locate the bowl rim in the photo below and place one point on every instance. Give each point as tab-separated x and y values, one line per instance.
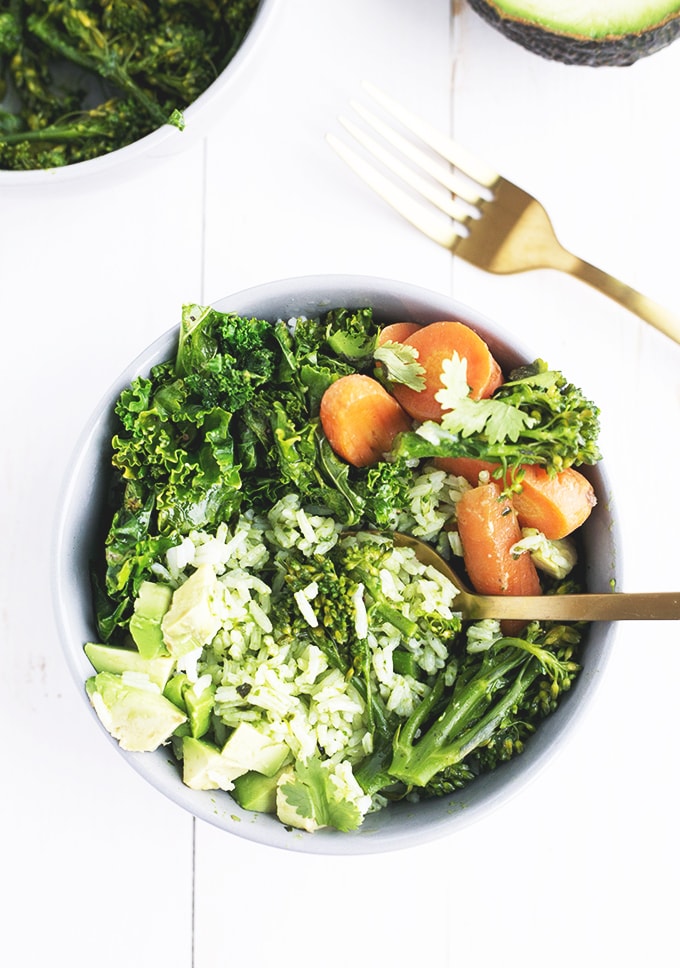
164	141
434	819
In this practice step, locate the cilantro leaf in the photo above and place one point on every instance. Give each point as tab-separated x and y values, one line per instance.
455	387
310	792
401	363
535	417
497	420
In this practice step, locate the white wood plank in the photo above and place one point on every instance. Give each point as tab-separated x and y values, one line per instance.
94	860
280	203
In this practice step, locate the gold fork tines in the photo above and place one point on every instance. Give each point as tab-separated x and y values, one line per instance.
469	208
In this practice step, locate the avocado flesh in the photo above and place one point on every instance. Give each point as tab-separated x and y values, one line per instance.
609	33
111	658
254	791
141	719
193	617
206	767
197	705
151	604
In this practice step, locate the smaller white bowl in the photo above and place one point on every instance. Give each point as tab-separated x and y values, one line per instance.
165	141
79	532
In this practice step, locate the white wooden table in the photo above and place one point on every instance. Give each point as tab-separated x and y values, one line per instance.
96	867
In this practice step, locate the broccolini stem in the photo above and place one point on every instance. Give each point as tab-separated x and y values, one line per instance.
460	728
483	730
464	704
382	608
54	132
107	66
380	724
420	714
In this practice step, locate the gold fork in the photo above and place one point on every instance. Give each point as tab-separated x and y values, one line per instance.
488	221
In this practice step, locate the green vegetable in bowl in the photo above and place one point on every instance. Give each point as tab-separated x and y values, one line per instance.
310	672
81	79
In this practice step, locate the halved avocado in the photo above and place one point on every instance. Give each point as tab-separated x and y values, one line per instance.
613	33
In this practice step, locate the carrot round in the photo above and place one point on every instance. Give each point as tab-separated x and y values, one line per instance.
488	528
468	467
554	505
397	332
361	419
434	344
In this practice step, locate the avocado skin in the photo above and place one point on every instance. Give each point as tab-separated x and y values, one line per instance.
615	52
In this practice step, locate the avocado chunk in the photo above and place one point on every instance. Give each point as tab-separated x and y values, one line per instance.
199	708
254	791
195	701
174	690
111	658
139	717
607	33
203	767
151	604
249	749
206	767
194	616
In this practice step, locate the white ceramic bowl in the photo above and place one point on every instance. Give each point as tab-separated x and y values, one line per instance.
79	529
165	141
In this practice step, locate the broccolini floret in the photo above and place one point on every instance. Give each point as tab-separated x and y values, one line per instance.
483	719
535	417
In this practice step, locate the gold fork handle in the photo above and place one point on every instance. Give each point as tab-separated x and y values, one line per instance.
588	607
658	316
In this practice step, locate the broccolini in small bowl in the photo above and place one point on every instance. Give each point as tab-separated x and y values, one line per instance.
88	86
251	637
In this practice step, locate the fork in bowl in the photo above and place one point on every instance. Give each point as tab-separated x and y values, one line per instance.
490	222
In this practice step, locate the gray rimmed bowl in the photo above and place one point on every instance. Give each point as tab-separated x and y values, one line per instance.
80	529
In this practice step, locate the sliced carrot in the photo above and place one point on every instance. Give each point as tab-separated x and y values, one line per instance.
488	529
468	467
554	505
361	419
397	332
438	342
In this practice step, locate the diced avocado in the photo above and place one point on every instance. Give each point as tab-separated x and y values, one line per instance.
151	604
177	740
197	704
204	767
608	32
110	658
193	618
249	749
174	690
208	768
141	719
254	791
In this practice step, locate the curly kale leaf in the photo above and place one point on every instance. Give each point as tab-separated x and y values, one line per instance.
386	492
223	357
132	546
352	334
